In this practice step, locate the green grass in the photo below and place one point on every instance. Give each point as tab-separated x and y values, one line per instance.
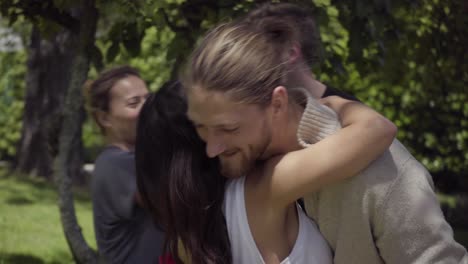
30	228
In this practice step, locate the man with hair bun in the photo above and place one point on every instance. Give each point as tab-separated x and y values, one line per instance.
386	213
389	212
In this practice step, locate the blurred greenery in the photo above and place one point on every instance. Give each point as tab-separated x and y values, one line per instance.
30	228
409	63
406	59
11	100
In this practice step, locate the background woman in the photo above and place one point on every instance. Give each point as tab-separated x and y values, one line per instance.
124	231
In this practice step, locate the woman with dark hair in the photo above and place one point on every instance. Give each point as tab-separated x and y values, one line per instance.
178	183
124	231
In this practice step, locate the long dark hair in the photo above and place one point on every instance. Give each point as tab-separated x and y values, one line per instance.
178	183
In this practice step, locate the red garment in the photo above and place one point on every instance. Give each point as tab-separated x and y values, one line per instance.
166	259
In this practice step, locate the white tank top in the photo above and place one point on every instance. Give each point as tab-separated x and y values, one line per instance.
310	247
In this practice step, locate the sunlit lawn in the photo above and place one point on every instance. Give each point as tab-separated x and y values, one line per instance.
30	228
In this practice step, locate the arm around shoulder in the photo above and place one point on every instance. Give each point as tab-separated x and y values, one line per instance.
365	135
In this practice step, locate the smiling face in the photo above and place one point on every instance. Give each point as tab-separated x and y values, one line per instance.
126	99
237	133
230	81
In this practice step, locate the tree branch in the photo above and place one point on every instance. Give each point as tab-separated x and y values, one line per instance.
47	10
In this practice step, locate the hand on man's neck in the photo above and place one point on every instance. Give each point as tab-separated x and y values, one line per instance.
287	140
316	88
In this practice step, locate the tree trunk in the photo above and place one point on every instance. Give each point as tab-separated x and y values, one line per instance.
70	135
47	79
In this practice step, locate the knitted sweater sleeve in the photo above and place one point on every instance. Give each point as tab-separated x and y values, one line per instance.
318	121
410	226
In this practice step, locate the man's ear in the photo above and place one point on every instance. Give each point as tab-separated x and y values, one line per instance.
103	118
279	100
295	53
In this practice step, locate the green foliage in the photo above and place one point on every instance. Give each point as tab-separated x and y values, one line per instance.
12	70
155	64
92	140
408	61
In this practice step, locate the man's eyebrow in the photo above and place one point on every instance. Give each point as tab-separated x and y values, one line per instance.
137	96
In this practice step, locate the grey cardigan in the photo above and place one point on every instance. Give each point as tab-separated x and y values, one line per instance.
388	213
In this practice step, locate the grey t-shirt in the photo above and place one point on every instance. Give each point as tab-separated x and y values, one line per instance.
125	232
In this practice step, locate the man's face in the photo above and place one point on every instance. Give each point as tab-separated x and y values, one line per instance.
237	133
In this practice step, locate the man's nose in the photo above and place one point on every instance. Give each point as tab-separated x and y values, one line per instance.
214	148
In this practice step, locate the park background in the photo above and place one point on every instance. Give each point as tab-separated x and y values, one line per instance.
405	58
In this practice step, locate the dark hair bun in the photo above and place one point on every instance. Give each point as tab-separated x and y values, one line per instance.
299	21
